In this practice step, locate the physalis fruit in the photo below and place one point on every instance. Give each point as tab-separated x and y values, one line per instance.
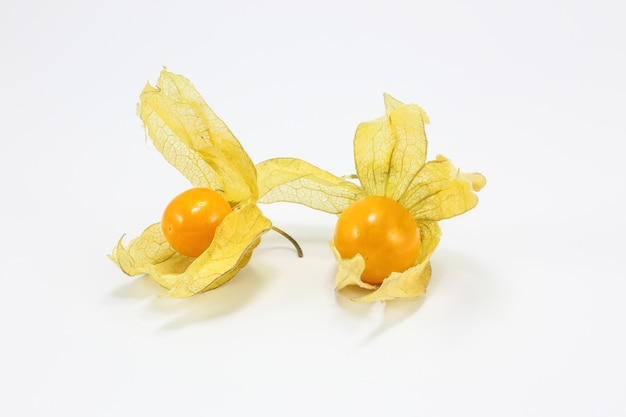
383	232
190	219
208	233
388	225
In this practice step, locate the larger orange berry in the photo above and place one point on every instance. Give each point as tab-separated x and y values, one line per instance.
383	232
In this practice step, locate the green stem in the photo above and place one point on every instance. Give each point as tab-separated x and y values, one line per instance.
289	238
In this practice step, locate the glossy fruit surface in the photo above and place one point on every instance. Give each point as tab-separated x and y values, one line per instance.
190	219
383	232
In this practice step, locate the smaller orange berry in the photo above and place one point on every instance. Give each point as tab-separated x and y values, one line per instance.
191	218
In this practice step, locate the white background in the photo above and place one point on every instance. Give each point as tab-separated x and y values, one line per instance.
525	312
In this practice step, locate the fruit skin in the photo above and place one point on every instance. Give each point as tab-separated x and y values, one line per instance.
383	232
191	218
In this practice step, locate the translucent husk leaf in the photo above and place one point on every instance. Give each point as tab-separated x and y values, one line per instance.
430	234
440	191
408	284
235	238
390	157
390	151
296	181
475	179
148	251
231	249
349	271
194	140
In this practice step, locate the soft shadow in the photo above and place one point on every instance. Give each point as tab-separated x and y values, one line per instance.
472	284
458	268
344	300
394	313
221	301
446	265
224	300
446	258
138	288
387	313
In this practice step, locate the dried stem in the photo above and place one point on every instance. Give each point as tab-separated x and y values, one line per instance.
289	238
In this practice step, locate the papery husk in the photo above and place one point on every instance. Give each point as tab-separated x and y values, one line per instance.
231	249
390	150
440	191
411	283
194	140
198	144
297	181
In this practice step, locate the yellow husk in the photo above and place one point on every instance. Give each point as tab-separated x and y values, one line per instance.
199	144
294	180
390	159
